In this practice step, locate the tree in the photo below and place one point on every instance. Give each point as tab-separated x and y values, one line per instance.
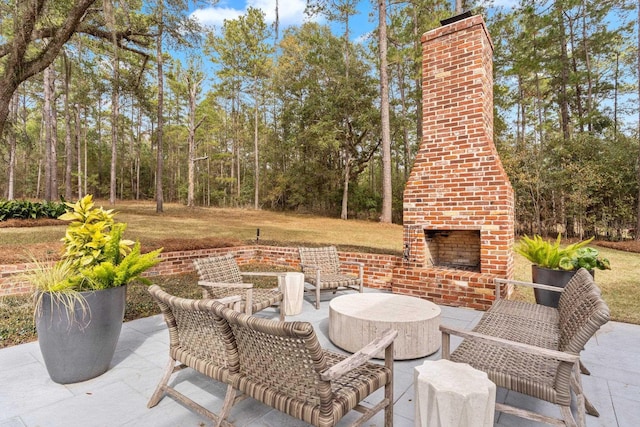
638	82
327	122
51	135
194	77
340	11
243	53
22	53
173	26
387	195
37	31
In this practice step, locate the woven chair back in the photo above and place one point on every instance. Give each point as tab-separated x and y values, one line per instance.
194	328
218	269
281	359
581	311
325	258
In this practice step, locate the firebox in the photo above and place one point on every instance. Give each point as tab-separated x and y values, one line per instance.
456	249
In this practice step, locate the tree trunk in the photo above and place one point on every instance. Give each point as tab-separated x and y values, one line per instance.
79	150
384	113
256	162
13	114
345	189
418	73
405	113
193	86
563	100
638	61
115	112
159	130
68	147
115	102
50	135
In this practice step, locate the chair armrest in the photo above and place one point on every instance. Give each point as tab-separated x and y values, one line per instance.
229	300
309	266
248	296
498	282
358	263
262	273
501	342
361	356
225	285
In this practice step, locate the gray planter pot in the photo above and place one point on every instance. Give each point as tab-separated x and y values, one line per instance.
547	276
80	347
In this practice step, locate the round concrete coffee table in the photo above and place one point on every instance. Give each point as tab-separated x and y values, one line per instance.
357	319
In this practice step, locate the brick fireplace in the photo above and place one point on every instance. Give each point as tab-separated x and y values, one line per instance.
458	207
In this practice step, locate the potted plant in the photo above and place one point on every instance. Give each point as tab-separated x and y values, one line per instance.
555	265
80	299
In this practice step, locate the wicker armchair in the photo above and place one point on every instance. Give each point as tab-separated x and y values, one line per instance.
535	350
197	338
219	277
322	270
280	364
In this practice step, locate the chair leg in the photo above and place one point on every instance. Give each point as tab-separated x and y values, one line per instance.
388	410
583	403
567	416
584	369
229	399
162	385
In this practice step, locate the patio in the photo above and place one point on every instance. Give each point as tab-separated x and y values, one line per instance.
119	397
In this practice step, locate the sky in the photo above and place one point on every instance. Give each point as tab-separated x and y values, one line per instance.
291	12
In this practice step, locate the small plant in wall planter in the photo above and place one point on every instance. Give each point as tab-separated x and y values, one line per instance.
80	299
549	254
555	265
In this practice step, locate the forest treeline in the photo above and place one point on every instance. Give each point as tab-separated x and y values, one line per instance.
141	102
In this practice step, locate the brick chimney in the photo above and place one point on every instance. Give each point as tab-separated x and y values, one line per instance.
458	208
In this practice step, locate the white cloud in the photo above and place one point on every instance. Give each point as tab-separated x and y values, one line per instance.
215	16
507	4
290	12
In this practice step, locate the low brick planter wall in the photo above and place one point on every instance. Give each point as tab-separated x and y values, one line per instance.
380	271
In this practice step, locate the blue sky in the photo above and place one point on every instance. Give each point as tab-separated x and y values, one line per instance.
291	12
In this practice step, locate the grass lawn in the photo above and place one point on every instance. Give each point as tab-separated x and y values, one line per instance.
182	228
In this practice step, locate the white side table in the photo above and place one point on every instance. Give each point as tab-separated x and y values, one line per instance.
450	394
292	284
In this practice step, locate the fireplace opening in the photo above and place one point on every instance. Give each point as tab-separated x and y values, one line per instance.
453	249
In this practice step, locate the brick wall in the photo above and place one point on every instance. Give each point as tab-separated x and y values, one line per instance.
377	271
381	271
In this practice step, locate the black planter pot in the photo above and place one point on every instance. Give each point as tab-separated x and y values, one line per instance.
81	347
547	276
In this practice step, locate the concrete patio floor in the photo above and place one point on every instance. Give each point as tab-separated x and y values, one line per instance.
119	397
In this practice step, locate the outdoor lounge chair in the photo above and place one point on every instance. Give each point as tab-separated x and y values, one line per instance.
535	350
280	364
321	268
219	277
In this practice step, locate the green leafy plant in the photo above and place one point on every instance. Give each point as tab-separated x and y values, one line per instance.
95	254
94	244
25	209
549	254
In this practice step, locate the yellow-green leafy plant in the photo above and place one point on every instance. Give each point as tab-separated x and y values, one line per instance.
94	244
549	254
95	254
